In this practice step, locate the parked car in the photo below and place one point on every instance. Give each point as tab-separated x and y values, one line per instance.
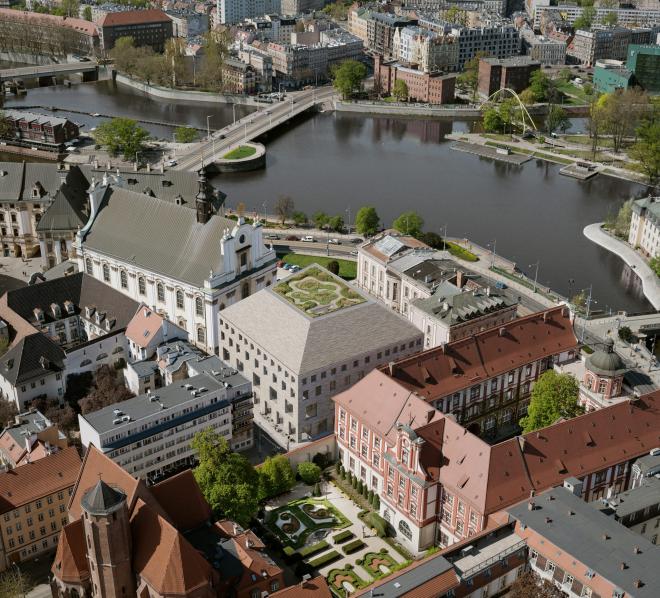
500	285
291	238
354	252
272	236
355	241
294	268
172	163
287	266
308	239
334	241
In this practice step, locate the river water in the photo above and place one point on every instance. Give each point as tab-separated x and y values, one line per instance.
339	162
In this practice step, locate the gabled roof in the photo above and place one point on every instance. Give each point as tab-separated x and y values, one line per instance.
181	489
65	213
70	562
143	326
31	481
460	364
134	17
312	588
32	356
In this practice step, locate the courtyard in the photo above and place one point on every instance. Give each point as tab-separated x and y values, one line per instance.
327	533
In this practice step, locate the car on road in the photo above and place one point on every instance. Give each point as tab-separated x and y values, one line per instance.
294	268
354	252
308	239
292	238
334	241
222	136
500	285
272	236
355	241
287	266
172	162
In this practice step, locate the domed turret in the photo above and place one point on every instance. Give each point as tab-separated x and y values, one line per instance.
606	361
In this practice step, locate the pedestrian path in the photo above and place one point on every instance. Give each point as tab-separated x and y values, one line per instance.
651	287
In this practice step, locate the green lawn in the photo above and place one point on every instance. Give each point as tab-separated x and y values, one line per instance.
574	95
461	253
347	268
243	151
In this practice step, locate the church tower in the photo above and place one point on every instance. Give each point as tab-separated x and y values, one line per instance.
204	199
108	539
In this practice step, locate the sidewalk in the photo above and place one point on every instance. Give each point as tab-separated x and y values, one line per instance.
594	232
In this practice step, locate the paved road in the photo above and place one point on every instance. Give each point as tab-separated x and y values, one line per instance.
251	126
650	285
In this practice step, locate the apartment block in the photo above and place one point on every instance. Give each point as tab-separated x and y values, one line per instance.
645	226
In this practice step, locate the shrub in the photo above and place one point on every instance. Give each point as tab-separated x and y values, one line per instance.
355	482
353	546
347	534
324	559
365	492
317	490
379	524
342	472
310	473
360	487
323	460
338	467
370	497
313	549
333	267
376	503
289	551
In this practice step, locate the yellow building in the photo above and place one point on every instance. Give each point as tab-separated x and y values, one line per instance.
33	505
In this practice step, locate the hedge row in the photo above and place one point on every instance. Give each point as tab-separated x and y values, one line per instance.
347	534
325	559
313	549
353	546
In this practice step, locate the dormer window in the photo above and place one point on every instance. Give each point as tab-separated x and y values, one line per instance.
99	317
89	312
39	314
57	312
68	306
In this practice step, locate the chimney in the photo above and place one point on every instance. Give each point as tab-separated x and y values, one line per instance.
162	167
638	583
146	312
96	164
502	331
487	291
28	445
148	167
135	166
305	579
637	550
459	279
390	367
605	537
546	316
530	505
623	566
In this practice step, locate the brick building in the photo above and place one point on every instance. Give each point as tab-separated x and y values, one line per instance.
39	130
151	27
33	508
431	88
511	73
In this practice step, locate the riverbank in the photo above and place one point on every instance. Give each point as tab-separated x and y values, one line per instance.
187	96
651	286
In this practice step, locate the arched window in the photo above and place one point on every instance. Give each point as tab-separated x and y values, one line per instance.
106	273
179	299
63	246
199	306
160	292
142	286
404	528
245	290
88	266
123	279
201	336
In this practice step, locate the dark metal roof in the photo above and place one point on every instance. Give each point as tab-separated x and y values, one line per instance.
102	499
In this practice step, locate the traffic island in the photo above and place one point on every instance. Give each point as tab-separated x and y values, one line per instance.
242	158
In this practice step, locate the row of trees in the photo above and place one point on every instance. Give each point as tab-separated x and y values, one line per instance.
233	486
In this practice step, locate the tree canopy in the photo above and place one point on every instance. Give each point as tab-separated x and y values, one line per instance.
366	220
121	136
409	223
646	149
554	396
400	90
469	78
284	208
309	472
227	479
586	18
185	134
348	77
106	390
275	477
557	118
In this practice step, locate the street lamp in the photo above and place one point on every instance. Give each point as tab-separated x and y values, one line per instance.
536	275
444	238
245	135
492	252
208	131
348	210
233	108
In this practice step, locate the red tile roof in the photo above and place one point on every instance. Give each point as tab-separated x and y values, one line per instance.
143	326
443	370
70	562
314	588
79	25
183	486
31	481
134	17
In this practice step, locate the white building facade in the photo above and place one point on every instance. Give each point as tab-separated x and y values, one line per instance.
645	226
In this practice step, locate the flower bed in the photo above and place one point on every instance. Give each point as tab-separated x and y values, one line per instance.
316	512
372	562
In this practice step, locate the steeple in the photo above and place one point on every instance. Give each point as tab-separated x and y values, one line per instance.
204	198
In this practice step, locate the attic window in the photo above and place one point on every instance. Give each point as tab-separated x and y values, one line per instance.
166	183
132	181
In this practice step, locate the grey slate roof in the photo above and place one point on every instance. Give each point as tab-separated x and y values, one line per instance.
636	499
102	499
581	535
306	344
31	422
20	178
65	213
159	236
448	304
23	362
81	289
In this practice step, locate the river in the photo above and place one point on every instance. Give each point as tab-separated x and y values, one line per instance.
339	162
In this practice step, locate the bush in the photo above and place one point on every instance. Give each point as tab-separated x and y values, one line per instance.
310	473
313	549
347	534
317	490
324	559
354	483
626	335
353	546
338	467
376	503
370	497
323	460
289	551
360	487
379	524
333	267
365	492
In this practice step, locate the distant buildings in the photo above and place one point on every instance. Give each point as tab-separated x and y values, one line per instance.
610	75
149	27
644	62
262	63
545	50
602	383
234	11
188	264
34	503
296	7
297	359
381	28
542	11
36	129
645	226
238	77
612	43
188	23
431	88
510	73
428	51
158	542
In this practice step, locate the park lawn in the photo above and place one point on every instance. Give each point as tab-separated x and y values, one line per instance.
243	151
574	95
461	253
347	268
586	140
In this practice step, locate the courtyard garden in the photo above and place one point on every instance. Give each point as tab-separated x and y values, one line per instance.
345	582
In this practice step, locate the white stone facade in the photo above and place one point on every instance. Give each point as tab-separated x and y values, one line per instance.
645	227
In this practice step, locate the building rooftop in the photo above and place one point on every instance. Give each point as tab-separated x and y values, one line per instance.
79	25
305	343
31	481
634	500
134	17
512	61
27	424
595	540
308	588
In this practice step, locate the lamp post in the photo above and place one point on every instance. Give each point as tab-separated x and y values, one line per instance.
348	210
208	131
444	238
536	275
492	252
233	108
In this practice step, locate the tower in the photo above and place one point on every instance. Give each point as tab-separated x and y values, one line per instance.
108	538
203	199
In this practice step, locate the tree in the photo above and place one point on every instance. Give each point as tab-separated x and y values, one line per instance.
622	112
409	223
185	134
275	477
5	127
64	416
320	220
626	335
579	300
376	502
309	472
530	585
542	86
366	221
527	97
87	13
13	584
596	123
333	267
554	396
456	16
507	110
654	262
107	390
400	90
284	207
432	240
71	8
227	479
646	149
348	77
623	219
610	19
492	120
121	136
336	223
556	119
585	19
8	412
175	58
299	218
469	78
216	50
